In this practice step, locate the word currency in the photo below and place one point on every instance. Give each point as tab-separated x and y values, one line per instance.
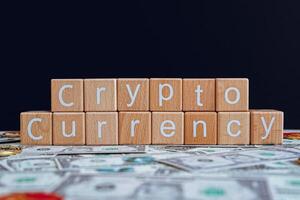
151	111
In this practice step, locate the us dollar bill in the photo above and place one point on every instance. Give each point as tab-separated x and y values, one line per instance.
206	163
135	187
136	164
69	150
30	181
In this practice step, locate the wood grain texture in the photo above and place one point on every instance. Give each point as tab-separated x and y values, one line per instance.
229	85
141	100
104	124
69	118
70	95
224	121
139	133
42	129
175	103
103	100
206	133
199	95
161	127
258	132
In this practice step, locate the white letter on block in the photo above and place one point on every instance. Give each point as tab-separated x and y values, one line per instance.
161	97
99	90
60	96
73	132
29	131
133	124
132	96
195	124
163	127
267	129
237	96
100	124
198	92
229	128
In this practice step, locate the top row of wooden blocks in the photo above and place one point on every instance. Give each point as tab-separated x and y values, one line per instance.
155	94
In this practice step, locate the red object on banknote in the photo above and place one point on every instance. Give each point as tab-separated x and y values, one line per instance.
31	196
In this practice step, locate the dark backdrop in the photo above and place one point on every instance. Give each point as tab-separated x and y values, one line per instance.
259	40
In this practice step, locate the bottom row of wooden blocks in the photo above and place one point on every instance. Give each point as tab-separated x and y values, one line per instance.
111	128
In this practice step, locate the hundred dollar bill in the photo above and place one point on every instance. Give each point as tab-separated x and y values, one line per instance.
123	187
31	164
265	169
285	187
194	149
67	150
29	182
230	159
116	165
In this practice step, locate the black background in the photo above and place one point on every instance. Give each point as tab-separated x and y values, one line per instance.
258	40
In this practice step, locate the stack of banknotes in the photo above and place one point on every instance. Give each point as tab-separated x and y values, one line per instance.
153	171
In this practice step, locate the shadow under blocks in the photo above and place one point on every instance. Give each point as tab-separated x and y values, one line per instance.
151	111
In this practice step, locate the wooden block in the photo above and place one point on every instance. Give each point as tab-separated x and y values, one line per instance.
66	95
167	128
198	94
100	94
101	128
133	94
266	127
36	128
233	128
166	94
134	127
68	128
200	128
232	94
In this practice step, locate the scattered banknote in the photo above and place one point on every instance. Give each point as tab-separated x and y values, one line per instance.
67	150
155	171
30	181
135	187
206	163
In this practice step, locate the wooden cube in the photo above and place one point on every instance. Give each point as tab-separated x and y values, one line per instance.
69	128
134	127
100	95
133	94
232	94
66	95
36	128
266	127
198	95
200	128
166	94
233	128
167	128
101	128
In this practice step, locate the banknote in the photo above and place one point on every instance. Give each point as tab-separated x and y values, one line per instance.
268	168
65	150
230	159
159	187
285	187
194	149
116	165
29	181
31	164
156	171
